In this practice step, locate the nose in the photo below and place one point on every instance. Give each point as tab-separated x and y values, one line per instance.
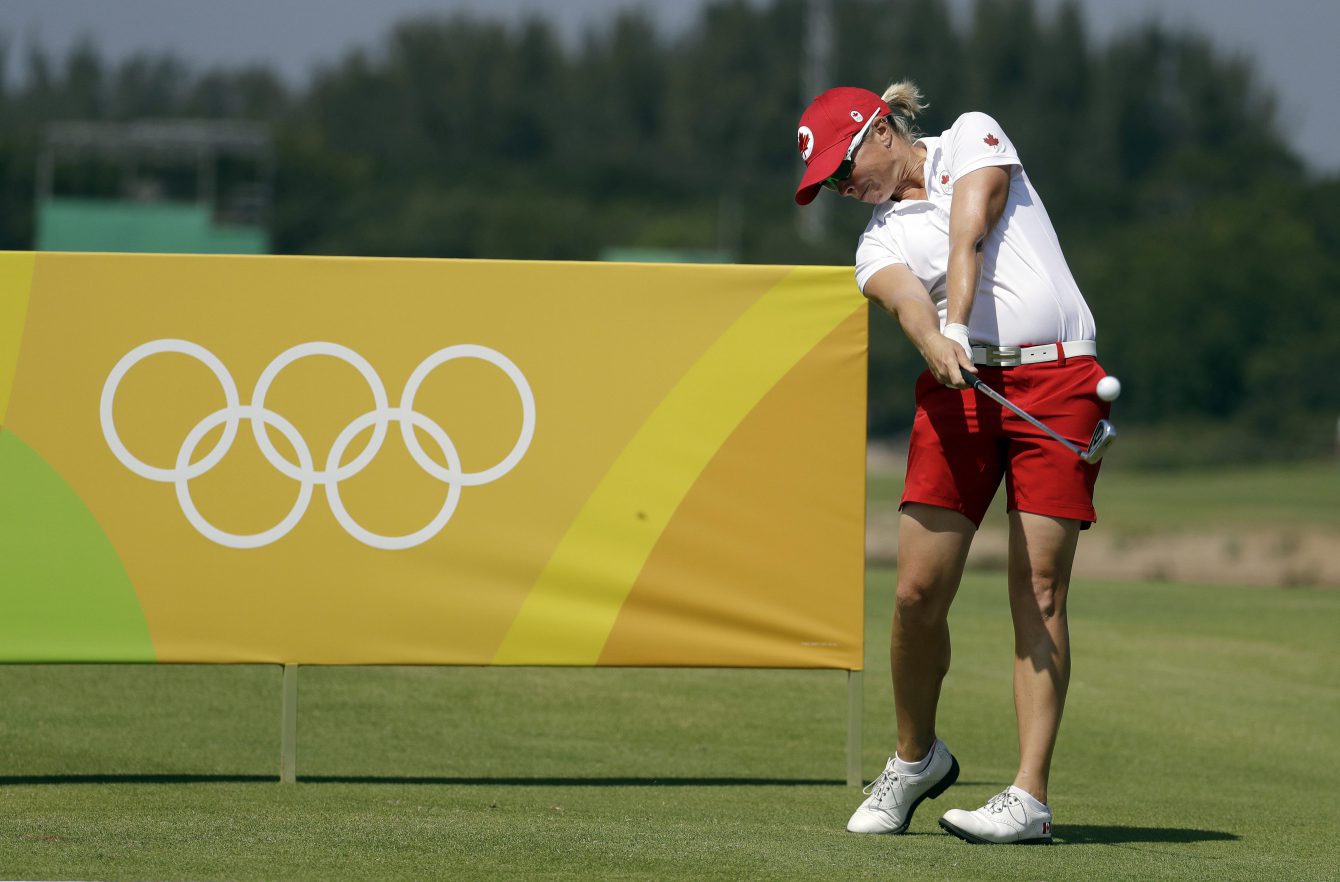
848	188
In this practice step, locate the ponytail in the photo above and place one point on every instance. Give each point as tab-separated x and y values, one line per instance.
905	100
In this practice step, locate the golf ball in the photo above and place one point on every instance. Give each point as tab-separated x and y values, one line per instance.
1109	388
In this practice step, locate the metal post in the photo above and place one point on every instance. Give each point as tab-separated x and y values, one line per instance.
206	187
46	173
288	739
855	715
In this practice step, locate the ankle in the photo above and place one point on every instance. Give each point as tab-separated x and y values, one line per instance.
1032	789
912	758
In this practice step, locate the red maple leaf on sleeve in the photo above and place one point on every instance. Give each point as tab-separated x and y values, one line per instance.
991	140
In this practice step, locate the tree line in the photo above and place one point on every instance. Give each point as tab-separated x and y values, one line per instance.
1206	249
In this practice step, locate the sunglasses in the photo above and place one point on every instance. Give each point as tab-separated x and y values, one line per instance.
844	169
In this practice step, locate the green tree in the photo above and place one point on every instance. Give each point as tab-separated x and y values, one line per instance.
1204	247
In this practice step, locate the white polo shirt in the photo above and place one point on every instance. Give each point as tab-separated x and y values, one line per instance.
1026	294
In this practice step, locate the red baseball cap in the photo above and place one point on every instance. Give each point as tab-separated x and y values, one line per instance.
827	131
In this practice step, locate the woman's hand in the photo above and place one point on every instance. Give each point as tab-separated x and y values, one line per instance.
947	360
902	295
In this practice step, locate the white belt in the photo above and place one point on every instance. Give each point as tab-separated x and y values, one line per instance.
1013	356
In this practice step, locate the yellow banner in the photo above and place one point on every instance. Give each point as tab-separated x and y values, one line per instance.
362	461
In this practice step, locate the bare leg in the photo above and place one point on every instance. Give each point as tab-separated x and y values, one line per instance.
1042	553
932	549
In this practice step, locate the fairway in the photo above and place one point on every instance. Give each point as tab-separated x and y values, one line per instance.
1198	743
1271	525
1137	502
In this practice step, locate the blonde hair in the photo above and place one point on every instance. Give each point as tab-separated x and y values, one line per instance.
905	100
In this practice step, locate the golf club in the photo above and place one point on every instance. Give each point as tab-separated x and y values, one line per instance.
1103	434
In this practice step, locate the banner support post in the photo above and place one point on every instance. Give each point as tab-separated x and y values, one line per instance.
855	715
288	739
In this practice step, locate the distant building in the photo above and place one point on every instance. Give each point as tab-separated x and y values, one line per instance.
179	186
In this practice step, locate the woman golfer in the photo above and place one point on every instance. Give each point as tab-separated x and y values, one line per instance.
960	250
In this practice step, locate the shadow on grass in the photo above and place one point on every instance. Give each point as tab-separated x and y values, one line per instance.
575	781
19	780
1080	834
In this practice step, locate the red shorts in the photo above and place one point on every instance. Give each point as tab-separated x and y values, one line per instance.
963	442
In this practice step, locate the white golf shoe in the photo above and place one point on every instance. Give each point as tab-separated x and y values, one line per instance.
895	795
1007	818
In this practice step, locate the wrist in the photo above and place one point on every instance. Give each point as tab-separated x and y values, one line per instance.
959	334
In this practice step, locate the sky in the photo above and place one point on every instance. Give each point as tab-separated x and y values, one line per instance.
1290	42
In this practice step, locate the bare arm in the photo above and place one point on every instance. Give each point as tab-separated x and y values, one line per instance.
979	201
900	293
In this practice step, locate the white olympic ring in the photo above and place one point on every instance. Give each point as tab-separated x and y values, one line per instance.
305	472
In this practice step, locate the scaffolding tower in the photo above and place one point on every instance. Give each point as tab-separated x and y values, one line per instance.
179	186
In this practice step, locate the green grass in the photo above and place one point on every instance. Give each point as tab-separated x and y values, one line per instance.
1194	500
1200	742
1292	495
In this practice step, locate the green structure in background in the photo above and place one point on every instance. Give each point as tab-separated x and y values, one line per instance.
112	225
636	254
175	186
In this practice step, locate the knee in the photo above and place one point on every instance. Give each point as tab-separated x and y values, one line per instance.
1041	590
921	603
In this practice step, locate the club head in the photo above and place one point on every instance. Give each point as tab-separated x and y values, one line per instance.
1103	435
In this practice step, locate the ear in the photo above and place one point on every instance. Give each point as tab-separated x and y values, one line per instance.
884	130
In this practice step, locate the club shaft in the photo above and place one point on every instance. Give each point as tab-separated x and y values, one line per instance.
1019	411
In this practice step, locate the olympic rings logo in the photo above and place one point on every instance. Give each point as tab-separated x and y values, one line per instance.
304	471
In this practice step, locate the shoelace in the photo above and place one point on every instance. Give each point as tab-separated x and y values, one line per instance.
1001	801
881	785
